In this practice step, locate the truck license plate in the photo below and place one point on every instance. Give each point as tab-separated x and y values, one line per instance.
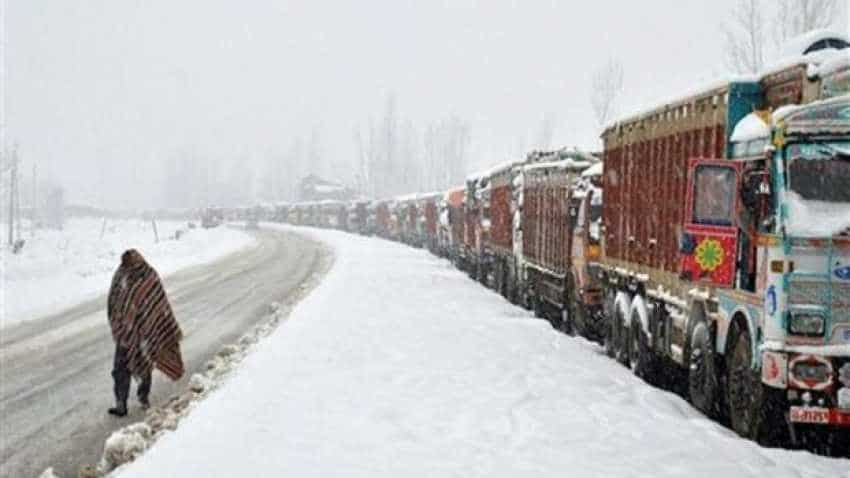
809	415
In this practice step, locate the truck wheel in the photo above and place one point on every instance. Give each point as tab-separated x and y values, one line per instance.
537	306
610	327
576	311
702	374
621	337
567	326
743	390
640	356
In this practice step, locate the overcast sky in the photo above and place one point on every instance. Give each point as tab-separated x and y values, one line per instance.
105	90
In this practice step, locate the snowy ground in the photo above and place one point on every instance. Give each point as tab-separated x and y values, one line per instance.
58	269
398	365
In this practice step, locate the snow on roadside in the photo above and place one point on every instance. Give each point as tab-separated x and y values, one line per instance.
399	365
58	269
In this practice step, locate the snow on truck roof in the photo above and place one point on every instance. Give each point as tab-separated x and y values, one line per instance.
595	170
566	164
809	42
557	156
835	62
750	128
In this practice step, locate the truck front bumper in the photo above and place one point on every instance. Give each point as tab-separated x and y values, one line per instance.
817	386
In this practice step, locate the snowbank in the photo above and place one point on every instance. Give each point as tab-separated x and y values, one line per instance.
399	365
58	269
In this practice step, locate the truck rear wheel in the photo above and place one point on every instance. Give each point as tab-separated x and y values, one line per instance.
640	355
702	374
621	338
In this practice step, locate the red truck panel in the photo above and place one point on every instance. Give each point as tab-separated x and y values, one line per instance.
382	218
501	223
546	221
645	183
431	218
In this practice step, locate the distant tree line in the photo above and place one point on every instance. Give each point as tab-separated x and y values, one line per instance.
394	156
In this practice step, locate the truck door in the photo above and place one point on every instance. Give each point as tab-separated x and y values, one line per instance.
709	243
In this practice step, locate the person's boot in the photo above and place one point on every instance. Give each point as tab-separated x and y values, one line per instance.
145	402
119	410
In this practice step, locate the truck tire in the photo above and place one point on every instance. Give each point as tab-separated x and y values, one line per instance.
621	337
609	339
567	325
743	387
641	359
702	373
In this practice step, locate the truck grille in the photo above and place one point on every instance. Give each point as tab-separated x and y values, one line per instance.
835	296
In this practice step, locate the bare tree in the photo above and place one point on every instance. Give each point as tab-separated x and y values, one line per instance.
795	17
605	90
745	35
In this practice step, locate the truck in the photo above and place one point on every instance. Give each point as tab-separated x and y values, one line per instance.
212	216
584	314
450	232
498	262
725	248
428	221
358	216
543	263
469	253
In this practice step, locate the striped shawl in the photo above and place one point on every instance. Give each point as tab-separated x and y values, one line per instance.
141	319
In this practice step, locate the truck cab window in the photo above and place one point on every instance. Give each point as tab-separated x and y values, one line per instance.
714	198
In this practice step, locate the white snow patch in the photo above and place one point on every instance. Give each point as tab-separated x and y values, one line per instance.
751	127
399	365
48	473
58	269
840	61
124	446
808	218
595	170
798	45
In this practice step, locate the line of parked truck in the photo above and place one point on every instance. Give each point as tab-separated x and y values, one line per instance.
717	262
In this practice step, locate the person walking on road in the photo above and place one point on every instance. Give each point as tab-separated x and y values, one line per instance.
144	329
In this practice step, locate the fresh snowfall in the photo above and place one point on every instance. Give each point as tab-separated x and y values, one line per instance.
399	365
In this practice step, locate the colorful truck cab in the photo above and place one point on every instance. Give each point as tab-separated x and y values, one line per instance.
800	261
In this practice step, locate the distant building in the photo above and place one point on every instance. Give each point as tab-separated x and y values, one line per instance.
314	188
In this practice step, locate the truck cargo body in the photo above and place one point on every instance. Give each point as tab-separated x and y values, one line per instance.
429	221
470	252
498	261
700	269
546	235
452	224
584	304
383	219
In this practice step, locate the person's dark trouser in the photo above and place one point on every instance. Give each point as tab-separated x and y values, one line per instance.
121	375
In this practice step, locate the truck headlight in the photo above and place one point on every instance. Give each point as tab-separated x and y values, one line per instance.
811	372
806	324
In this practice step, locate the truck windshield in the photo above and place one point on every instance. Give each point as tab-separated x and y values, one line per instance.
818	188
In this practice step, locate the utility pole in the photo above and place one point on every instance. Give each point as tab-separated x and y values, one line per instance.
34	205
12	193
3	156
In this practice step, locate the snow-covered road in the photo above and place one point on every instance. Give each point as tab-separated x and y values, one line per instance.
399	365
55	383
